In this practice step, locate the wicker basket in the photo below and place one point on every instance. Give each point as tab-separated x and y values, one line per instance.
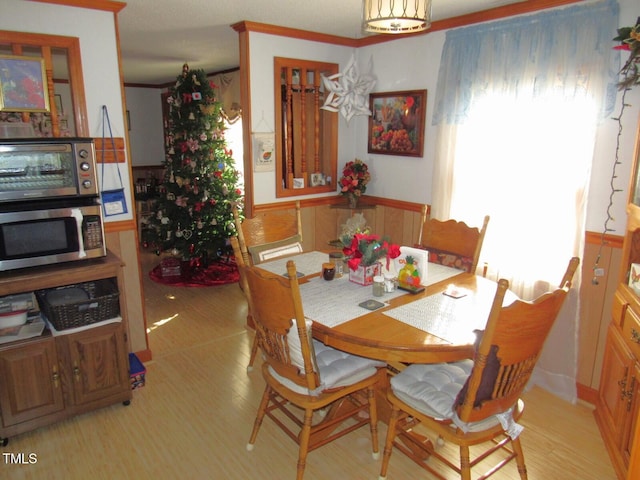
102	303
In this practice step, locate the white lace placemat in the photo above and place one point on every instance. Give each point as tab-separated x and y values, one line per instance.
307	263
437	273
335	302
452	319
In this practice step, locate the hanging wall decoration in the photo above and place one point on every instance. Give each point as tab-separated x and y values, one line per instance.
349	90
396	125
23	84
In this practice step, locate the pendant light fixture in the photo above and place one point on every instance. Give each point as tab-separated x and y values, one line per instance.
396	16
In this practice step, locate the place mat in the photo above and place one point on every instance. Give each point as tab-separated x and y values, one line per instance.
452	319
335	302
307	263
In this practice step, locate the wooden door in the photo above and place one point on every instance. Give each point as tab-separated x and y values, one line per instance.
98	362
30	385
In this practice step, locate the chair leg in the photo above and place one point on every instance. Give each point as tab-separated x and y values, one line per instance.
262	410
388	445
465	463
304	442
373	421
254	352
517	448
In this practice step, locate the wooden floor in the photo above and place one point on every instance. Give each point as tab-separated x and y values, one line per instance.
194	416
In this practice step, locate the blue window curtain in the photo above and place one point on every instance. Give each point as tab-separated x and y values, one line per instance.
564	49
517	106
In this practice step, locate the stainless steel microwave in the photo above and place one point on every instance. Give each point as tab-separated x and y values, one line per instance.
55	234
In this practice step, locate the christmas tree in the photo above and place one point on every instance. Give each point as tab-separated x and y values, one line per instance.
193	218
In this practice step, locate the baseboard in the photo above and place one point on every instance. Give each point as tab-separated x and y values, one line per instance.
587	394
144	355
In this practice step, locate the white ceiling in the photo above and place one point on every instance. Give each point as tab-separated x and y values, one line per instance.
158	36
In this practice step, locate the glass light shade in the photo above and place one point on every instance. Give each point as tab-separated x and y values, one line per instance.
396	16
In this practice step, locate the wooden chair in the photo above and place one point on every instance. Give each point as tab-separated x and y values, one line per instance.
452	243
269	235
264	237
304	374
468	402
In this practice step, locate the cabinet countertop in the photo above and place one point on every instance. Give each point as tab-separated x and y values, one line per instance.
36	278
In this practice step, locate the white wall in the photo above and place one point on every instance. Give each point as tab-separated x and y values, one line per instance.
264	48
96	31
407	64
413	63
146	137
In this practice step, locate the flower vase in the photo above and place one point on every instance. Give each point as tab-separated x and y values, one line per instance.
353	200
363	275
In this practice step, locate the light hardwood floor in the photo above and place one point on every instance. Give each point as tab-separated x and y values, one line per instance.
194	416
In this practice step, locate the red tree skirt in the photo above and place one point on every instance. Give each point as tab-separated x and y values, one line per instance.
217	273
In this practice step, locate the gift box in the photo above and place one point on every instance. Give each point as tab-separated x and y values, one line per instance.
171	267
363	275
136	372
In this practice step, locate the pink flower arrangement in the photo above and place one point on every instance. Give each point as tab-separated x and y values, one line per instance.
355	177
365	250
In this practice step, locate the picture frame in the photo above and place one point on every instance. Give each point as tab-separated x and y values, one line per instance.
397	123
23	84
317	179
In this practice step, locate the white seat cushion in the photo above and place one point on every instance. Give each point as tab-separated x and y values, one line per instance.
336	369
432	389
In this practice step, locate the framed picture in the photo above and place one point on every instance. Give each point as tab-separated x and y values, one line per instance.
23	84
317	179
396	124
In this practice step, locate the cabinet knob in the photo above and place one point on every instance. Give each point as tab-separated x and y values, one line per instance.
635	335
55	377
76	373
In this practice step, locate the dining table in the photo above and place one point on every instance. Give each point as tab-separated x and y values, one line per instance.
438	324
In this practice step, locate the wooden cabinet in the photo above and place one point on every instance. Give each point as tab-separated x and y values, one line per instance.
30	384
618	403
617	400
48	378
96	364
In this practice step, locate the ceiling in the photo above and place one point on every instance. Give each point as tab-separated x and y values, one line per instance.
158	36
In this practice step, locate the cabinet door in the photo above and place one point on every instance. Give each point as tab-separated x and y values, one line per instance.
99	363
632	406
30	385
614	384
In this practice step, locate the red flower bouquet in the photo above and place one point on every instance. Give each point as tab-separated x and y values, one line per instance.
365	250
355	177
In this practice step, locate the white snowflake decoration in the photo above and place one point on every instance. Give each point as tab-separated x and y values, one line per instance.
349	91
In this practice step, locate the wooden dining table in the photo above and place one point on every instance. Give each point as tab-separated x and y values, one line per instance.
426	327
377	334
